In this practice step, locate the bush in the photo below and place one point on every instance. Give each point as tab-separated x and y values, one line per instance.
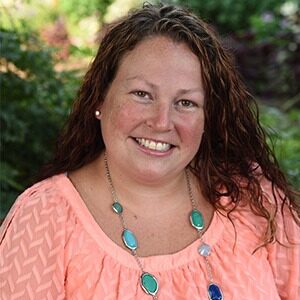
34	104
284	137
77	9
264	36
230	15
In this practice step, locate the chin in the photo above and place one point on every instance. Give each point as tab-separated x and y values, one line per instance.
154	175
151	175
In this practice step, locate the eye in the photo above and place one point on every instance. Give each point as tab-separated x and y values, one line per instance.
186	103
141	94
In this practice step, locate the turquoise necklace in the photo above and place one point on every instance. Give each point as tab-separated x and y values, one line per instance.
149	282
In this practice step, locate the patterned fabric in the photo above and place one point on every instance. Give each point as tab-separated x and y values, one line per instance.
52	248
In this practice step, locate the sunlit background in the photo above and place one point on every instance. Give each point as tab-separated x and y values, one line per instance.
47	45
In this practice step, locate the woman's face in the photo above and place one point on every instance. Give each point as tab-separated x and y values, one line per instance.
152	116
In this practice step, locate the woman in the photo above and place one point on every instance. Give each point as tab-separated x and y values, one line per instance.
162	185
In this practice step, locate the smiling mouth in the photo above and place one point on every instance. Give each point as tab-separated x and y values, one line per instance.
153	145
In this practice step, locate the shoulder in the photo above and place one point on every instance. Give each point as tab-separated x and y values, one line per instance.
265	216
44	194
280	209
261	205
33	240
40	204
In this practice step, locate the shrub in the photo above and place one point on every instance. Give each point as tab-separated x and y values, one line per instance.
34	103
284	136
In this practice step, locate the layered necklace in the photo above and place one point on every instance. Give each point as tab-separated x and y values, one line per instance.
148	281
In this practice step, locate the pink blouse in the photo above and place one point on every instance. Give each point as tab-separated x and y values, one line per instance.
52	248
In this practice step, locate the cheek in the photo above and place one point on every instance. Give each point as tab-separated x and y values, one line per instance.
126	117
192	130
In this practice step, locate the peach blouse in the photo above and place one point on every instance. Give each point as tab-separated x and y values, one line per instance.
52	248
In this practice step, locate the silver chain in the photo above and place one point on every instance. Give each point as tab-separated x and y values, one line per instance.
199	232
134	252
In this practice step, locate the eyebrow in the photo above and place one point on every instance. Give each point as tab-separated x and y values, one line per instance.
137	77
154	86
186	91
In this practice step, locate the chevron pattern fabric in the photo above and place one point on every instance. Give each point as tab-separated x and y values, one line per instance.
52	248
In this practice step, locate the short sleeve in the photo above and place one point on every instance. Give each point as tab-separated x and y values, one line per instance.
32	239
284	255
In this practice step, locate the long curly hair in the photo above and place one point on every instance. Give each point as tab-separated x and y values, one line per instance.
233	154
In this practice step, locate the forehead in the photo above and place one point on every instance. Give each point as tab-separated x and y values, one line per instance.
160	54
161	42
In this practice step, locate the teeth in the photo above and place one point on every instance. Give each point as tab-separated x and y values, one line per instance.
146	144
152	145
159	146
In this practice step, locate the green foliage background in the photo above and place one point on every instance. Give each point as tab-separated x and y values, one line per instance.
35	100
231	15
36	96
78	9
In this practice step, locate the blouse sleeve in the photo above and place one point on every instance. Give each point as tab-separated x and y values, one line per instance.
284	256
31	246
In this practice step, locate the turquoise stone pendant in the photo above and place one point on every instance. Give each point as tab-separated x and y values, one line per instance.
129	239
196	219
117	208
149	284
214	292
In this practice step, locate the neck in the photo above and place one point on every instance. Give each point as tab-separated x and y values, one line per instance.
146	197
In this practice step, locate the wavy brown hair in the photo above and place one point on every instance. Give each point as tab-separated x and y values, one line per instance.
233	154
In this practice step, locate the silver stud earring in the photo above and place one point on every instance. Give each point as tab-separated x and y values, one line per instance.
97	113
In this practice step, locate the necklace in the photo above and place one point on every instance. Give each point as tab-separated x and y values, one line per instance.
149	282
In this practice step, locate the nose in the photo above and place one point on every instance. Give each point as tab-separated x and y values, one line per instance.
160	118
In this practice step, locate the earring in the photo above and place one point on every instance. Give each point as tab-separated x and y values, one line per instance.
97	113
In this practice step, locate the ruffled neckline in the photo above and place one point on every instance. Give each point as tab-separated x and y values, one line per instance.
155	263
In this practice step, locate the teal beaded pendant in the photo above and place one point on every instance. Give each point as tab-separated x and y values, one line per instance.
196	219
129	239
117	208
149	283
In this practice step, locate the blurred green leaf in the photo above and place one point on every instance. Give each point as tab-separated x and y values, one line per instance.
35	101
284	136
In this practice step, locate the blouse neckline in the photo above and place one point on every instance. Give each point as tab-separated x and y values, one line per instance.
151	263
